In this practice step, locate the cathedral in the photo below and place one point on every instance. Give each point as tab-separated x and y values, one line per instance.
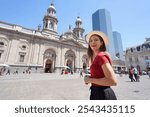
43	49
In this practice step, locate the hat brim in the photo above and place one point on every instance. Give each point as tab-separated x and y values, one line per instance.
101	34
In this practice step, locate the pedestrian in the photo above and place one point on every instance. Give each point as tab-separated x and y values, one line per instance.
71	72
135	72
81	73
149	73
8	72
102	74
131	74
62	72
16	71
29	71
24	71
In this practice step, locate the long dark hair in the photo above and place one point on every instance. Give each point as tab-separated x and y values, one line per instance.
90	51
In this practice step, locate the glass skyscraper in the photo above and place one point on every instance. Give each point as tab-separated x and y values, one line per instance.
118	45
101	21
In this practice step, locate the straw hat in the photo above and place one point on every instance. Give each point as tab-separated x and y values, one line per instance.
101	34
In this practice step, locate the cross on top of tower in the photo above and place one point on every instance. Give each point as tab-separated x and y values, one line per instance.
52	1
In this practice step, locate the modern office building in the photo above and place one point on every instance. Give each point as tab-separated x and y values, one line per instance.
118	45
43	49
101	20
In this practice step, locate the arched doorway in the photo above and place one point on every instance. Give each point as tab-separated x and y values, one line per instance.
84	66
69	64
49	60
48	66
70	60
85	61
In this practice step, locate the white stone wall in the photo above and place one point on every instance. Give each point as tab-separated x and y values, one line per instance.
138	58
34	52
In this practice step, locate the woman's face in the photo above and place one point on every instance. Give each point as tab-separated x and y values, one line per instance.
95	43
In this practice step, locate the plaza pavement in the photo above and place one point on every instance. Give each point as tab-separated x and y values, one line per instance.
42	86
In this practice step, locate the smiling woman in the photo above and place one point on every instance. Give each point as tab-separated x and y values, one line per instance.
102	74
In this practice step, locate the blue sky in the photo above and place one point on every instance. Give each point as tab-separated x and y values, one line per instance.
129	17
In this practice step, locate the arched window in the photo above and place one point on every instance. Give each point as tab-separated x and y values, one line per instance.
84	66
23	47
51	25
1	43
46	25
0	55
22	57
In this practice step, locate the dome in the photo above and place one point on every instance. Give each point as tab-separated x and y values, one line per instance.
78	19
52	7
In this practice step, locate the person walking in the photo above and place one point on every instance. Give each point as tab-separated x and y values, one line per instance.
131	74
8	72
102	74
149	73
81	73
136	74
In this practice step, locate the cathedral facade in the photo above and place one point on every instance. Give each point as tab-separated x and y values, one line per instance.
43	49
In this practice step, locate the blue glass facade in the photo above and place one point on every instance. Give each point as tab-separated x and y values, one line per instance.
118	45
101	20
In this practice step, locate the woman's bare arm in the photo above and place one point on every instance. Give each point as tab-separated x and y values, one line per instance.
109	79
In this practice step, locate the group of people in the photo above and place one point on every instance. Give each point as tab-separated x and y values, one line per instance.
65	71
134	74
27	71
15	72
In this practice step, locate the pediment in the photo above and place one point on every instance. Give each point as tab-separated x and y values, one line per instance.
70	35
72	42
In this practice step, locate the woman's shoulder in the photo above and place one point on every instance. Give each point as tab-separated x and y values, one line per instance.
103	54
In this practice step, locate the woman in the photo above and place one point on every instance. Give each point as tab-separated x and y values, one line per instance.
102	74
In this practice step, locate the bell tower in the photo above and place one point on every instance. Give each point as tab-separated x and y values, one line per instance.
78	30
50	21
